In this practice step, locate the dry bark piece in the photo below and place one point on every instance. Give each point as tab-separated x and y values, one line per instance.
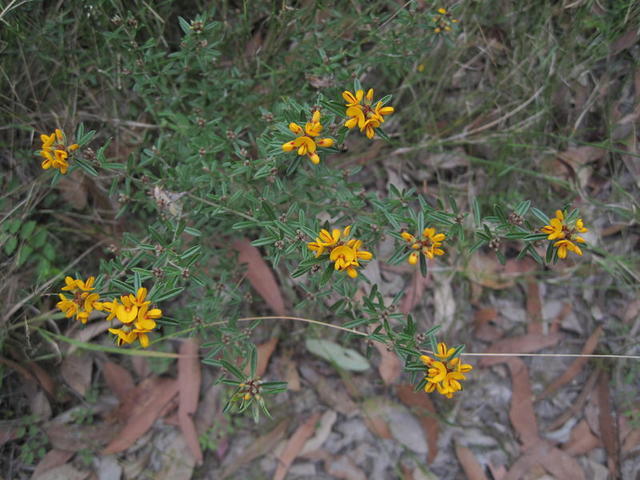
260	275
472	468
189	378
294	446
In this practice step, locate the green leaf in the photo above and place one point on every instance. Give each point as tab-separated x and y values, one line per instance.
476	212
345	358
540	215
11	245
84	165
24	254
27	229
167	294
194	232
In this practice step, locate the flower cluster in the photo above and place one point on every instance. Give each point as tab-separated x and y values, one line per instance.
55	151
444	374
134	311
345	253
306	142
361	112
137	318
429	244
83	301
565	234
443	21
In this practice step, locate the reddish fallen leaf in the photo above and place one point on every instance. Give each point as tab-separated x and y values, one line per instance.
485	315
553	460
534	307
260	275
575	367
73	437
52	459
631	441
291	375
294	446
521	413
189	378
472	468
265	443
423	407
482	325
65	472
374	411
142	415
581	440
76	370
118	379
626	40
265	350
141	366
523	344
390	367
414	293
608	434
44	379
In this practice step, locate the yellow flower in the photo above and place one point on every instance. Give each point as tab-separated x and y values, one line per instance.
429	245
565	234
306	142
343	252
137	318
326	239
443	21
444	375
55	151
82	303
361	112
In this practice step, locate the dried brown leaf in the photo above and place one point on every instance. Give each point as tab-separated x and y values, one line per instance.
74	189
335	398
323	431
259	447
553	460
523	344
423	407
521	413
260	275
375	415
294	446
265	350
608	434
118	379
575	367
291	376
577	404
142	415
344	468
414	293
485	270
64	472
73	438
52	459
176	462
390	366
472	468
581	440
627	40
76	370
189	378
